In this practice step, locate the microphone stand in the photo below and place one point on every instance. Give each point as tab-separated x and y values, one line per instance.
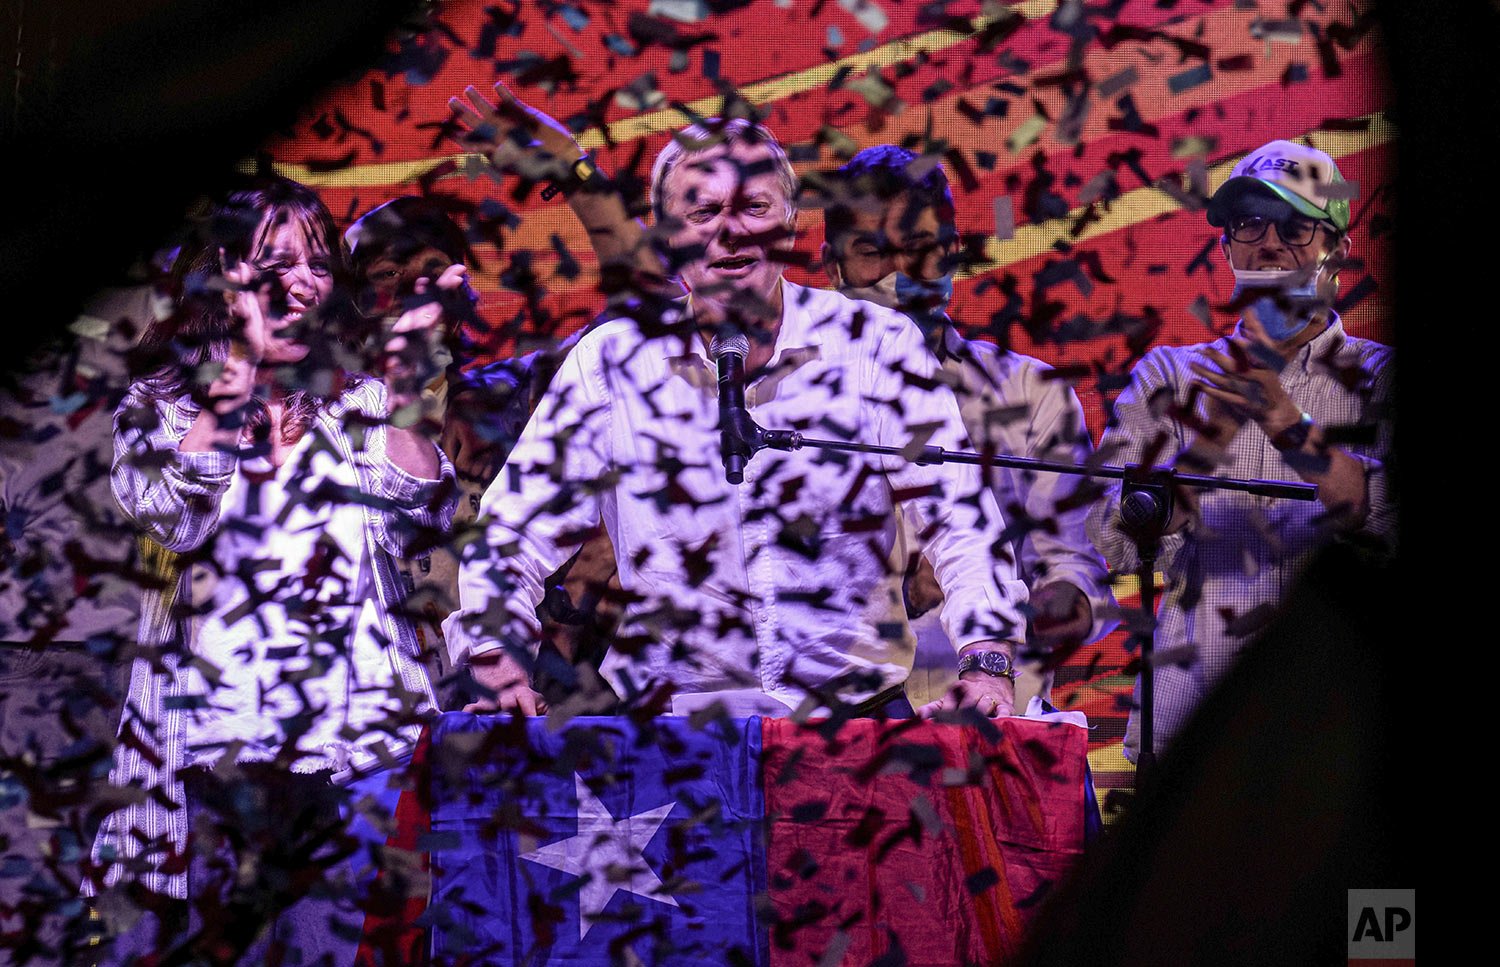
1145	511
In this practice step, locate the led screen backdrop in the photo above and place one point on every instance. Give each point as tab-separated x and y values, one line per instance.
1079	138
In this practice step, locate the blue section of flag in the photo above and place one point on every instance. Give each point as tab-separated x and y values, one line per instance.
657	824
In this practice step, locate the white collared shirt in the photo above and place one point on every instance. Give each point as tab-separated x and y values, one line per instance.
781	584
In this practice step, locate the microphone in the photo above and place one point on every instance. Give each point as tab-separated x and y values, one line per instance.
1140	510
1145	511
729	352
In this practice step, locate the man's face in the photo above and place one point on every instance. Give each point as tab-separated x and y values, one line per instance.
890	237
730	204
392	275
1280	227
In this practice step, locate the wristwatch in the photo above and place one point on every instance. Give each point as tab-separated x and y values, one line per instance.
581	173
996	663
1295	436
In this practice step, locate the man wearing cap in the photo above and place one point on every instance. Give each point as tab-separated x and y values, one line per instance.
1289	395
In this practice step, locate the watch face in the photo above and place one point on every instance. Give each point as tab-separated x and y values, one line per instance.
994	662
990	662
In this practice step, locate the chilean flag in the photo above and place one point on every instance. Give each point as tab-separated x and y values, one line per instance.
747	841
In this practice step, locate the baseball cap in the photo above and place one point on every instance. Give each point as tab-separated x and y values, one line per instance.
1302	177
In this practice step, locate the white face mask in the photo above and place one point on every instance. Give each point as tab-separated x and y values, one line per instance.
903	293
1286	299
882	293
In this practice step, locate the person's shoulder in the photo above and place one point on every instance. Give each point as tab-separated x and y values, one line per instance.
824	306
1017	374
618	331
1005	363
171	409
1375	354
1178	357
360	393
1169	365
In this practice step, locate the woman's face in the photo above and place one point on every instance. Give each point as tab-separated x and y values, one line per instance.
296	277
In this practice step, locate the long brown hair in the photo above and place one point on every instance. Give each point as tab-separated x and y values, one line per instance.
201	328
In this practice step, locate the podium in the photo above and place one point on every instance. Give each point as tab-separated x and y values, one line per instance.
746	841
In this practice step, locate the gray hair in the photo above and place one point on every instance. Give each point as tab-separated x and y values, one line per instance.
711	133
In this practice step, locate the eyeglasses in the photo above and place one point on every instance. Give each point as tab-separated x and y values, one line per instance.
1294	230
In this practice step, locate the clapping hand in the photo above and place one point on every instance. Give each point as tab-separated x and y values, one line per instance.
1246	385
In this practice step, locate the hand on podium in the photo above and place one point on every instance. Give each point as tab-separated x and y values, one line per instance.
508	684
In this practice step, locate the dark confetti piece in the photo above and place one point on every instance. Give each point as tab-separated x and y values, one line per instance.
1190	78
977	883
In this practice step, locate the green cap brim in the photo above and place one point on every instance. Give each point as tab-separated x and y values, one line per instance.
1235	187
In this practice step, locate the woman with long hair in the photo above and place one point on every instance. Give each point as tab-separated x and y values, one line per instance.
274	491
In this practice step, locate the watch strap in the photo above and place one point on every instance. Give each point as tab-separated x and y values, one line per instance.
580	173
1295	436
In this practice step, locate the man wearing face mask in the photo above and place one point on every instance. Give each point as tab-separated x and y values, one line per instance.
1289	395
891	240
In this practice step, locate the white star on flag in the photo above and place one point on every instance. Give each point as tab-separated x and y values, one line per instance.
607	853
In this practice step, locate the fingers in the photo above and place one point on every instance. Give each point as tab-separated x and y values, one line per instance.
1227	397
454	277
241	273
415	320
482	112
933	708
1213	377
510	106
1254	328
517	701
965	694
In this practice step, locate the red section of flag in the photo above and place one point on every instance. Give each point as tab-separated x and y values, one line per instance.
391	934
934	838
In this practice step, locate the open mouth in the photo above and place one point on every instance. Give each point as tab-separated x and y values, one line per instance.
732	263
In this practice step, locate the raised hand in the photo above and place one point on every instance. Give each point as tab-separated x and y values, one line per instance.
230	389
413	354
516	137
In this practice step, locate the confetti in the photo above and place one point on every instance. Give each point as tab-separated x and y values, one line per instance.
1005	219
682	11
1119	81
869	13
1026	134
1190	78
574	17
1099	287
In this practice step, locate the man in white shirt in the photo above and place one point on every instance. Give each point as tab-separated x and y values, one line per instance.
778	591
890	238
1289	394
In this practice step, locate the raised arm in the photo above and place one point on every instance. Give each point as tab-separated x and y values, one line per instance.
523	140
172	493
1246	385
